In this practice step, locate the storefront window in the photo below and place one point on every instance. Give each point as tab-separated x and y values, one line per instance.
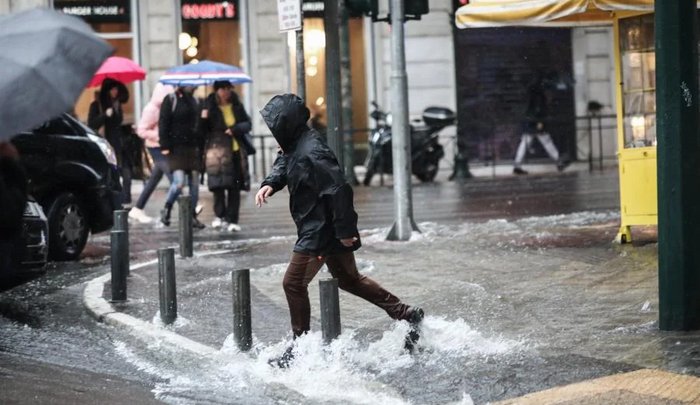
210	30
315	68
638	80
111	19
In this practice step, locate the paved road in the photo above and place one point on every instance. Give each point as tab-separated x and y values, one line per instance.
44	327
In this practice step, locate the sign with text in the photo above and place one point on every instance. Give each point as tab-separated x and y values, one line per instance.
289	14
209	10
111	11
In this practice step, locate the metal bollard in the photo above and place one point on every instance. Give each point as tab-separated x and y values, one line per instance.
166	285
242	331
330	309
121	223
120	265
185	222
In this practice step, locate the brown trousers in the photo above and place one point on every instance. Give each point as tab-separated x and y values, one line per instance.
303	268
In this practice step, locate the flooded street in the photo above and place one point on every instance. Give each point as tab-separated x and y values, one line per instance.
516	301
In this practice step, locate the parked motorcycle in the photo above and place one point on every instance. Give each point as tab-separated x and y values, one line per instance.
426	150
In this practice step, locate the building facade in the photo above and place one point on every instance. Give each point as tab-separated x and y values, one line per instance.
159	34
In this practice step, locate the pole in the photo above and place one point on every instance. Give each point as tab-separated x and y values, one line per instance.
119	265
678	130
166	285
185	225
333	96
330	309
301	68
121	223
346	90
401	152
242	331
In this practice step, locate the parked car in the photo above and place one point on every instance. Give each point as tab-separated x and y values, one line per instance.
35	237
73	175
29	252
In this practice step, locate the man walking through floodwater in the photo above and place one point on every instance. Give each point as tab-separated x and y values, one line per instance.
321	204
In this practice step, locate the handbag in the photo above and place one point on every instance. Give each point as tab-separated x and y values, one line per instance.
247	141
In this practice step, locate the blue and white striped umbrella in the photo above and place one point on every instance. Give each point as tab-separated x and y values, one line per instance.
204	72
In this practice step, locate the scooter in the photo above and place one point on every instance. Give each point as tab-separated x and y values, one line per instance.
426	150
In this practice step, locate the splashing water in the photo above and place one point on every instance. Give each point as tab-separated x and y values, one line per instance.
349	370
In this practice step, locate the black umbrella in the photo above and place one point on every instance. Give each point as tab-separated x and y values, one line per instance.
47	59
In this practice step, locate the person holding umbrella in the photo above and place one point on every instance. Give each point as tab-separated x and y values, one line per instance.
180	142
225	122
106	112
147	129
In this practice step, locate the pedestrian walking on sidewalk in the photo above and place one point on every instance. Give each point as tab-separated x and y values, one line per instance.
181	143
225	123
147	130
321	204
106	117
536	117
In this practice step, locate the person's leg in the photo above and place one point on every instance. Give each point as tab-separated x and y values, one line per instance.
174	192
546	141
153	180
233	205
219	202
525	140
193	179
342	266
301	270
126	184
176	187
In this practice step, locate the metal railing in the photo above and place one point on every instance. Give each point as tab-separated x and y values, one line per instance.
596	127
595	142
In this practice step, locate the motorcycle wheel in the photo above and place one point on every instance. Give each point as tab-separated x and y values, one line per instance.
368	177
428	175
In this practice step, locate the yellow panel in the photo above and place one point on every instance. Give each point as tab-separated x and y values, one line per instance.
638	183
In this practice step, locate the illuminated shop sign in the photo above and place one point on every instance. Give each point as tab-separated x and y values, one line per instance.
115	11
209	10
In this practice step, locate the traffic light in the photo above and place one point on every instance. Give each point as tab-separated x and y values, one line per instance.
363	7
413	9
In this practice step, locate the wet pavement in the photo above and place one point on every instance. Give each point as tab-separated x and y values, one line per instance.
522	288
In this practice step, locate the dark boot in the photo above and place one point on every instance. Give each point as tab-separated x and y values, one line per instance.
283	361
196	224
165	214
414	318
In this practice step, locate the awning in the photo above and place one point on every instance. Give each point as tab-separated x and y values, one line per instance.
497	13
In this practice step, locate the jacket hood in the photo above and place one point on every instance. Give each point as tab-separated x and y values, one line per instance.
159	92
286	116
107	85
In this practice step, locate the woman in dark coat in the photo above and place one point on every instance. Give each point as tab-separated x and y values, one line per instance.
106	111
224	123
181	143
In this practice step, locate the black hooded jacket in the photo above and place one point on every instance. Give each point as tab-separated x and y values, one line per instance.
320	200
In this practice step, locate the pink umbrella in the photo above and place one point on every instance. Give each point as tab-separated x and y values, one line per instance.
115	67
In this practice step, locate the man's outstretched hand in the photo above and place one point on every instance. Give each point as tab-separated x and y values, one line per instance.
262	195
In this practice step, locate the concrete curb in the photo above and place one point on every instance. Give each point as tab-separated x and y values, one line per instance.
103	311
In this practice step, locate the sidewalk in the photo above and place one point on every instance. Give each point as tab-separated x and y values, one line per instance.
514	307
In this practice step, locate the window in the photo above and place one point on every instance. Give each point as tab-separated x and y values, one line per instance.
638	80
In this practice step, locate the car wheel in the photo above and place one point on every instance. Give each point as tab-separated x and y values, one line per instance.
68	228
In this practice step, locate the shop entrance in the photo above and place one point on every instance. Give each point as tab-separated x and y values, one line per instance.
315	65
210	30
112	20
494	67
